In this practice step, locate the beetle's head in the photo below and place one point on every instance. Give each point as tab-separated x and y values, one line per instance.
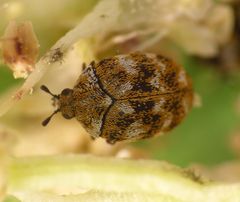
63	102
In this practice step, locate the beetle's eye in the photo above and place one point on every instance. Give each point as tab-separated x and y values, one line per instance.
66	116
66	91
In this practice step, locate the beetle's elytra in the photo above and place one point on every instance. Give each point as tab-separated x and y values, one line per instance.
127	97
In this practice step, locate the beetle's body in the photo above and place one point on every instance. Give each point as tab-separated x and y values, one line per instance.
129	97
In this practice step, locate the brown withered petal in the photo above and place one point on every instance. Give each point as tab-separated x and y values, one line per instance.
20	48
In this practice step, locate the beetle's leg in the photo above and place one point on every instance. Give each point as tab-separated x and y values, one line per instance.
92	63
111	139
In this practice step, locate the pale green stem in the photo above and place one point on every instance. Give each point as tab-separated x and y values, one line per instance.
88	178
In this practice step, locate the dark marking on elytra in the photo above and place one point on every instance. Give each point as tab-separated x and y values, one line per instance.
125	122
151	119
139	106
142	86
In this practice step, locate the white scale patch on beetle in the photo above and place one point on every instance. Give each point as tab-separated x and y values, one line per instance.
127	64
158	107
182	78
156	80
125	87
91	74
135	129
95	130
127	109
167	121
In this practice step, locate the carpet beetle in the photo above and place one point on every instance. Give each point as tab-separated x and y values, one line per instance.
127	97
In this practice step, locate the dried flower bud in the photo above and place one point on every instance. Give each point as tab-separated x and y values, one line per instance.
20	48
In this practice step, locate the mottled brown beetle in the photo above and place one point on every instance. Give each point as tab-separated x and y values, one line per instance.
127	97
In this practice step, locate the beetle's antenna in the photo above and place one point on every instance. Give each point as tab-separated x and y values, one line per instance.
46	121
45	89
